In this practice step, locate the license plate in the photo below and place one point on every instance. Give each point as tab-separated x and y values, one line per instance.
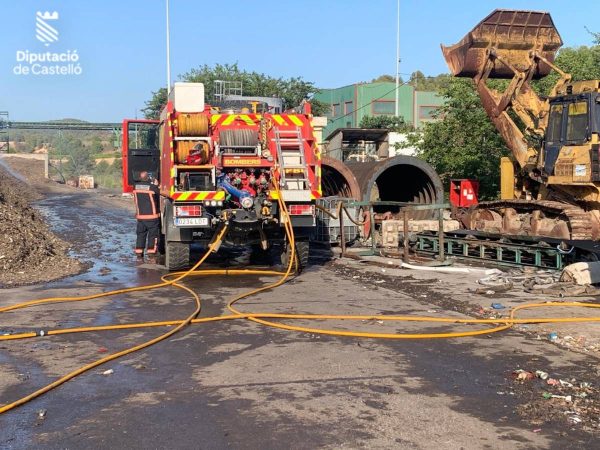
196	221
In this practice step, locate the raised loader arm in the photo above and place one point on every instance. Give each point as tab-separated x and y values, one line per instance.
515	45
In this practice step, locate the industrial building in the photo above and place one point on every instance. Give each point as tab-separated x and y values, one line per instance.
349	104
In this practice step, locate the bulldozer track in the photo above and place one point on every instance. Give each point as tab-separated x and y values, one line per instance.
576	217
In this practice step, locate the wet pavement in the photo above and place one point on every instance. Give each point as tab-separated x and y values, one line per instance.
241	385
102	237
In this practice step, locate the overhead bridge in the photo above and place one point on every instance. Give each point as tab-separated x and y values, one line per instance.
65	126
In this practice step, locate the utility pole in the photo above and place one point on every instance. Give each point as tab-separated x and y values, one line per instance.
168	52
398	60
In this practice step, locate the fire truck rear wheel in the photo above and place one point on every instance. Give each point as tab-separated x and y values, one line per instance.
282	253
177	256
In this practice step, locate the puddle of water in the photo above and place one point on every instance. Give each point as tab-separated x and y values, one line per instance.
103	238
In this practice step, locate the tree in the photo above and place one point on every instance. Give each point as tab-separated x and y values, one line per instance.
96	145
293	90
78	157
385	78
423	83
583	63
391	123
156	103
464	143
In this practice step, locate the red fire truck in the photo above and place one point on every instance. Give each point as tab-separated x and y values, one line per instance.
220	162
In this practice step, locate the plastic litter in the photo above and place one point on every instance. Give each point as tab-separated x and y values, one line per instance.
552	382
565	383
552	336
541	374
108	372
498	306
42	413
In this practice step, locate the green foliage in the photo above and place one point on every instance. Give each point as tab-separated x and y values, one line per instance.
385	78
109	175
78	158
293	90
102	168
96	145
419	81
464	144
422	83
391	123
156	103
583	63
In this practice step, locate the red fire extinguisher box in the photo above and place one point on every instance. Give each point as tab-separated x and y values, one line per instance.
464	192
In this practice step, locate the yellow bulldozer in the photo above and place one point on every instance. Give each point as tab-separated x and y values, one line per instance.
550	186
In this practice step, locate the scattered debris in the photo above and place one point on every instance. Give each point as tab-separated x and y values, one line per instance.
582	273
521	374
557	399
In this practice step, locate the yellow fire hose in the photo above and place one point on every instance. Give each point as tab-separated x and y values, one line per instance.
173	279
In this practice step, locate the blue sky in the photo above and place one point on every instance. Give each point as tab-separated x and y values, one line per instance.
330	42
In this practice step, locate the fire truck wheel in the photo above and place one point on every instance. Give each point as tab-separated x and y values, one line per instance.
282	253
177	256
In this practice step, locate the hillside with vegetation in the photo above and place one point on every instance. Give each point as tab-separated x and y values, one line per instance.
74	153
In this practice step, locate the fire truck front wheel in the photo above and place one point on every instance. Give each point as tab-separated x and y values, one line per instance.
177	256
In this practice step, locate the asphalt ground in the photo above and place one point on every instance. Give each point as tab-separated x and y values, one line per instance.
238	384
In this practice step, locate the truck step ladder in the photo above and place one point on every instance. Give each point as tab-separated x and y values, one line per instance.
290	156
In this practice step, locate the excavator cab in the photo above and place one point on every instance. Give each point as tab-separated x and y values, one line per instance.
573	120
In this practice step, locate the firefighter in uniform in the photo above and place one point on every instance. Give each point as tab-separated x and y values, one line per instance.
147	212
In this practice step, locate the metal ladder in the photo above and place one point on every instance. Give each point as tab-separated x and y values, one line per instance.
290	155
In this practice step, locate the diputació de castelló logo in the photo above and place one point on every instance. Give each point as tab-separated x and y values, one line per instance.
31	62
44	30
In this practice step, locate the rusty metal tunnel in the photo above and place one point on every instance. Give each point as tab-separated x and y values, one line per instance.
398	179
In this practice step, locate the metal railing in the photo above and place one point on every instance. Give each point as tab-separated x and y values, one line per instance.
404	208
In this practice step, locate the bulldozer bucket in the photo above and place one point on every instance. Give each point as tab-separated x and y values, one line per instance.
514	35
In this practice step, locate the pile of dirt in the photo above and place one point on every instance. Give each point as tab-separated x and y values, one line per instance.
29	251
